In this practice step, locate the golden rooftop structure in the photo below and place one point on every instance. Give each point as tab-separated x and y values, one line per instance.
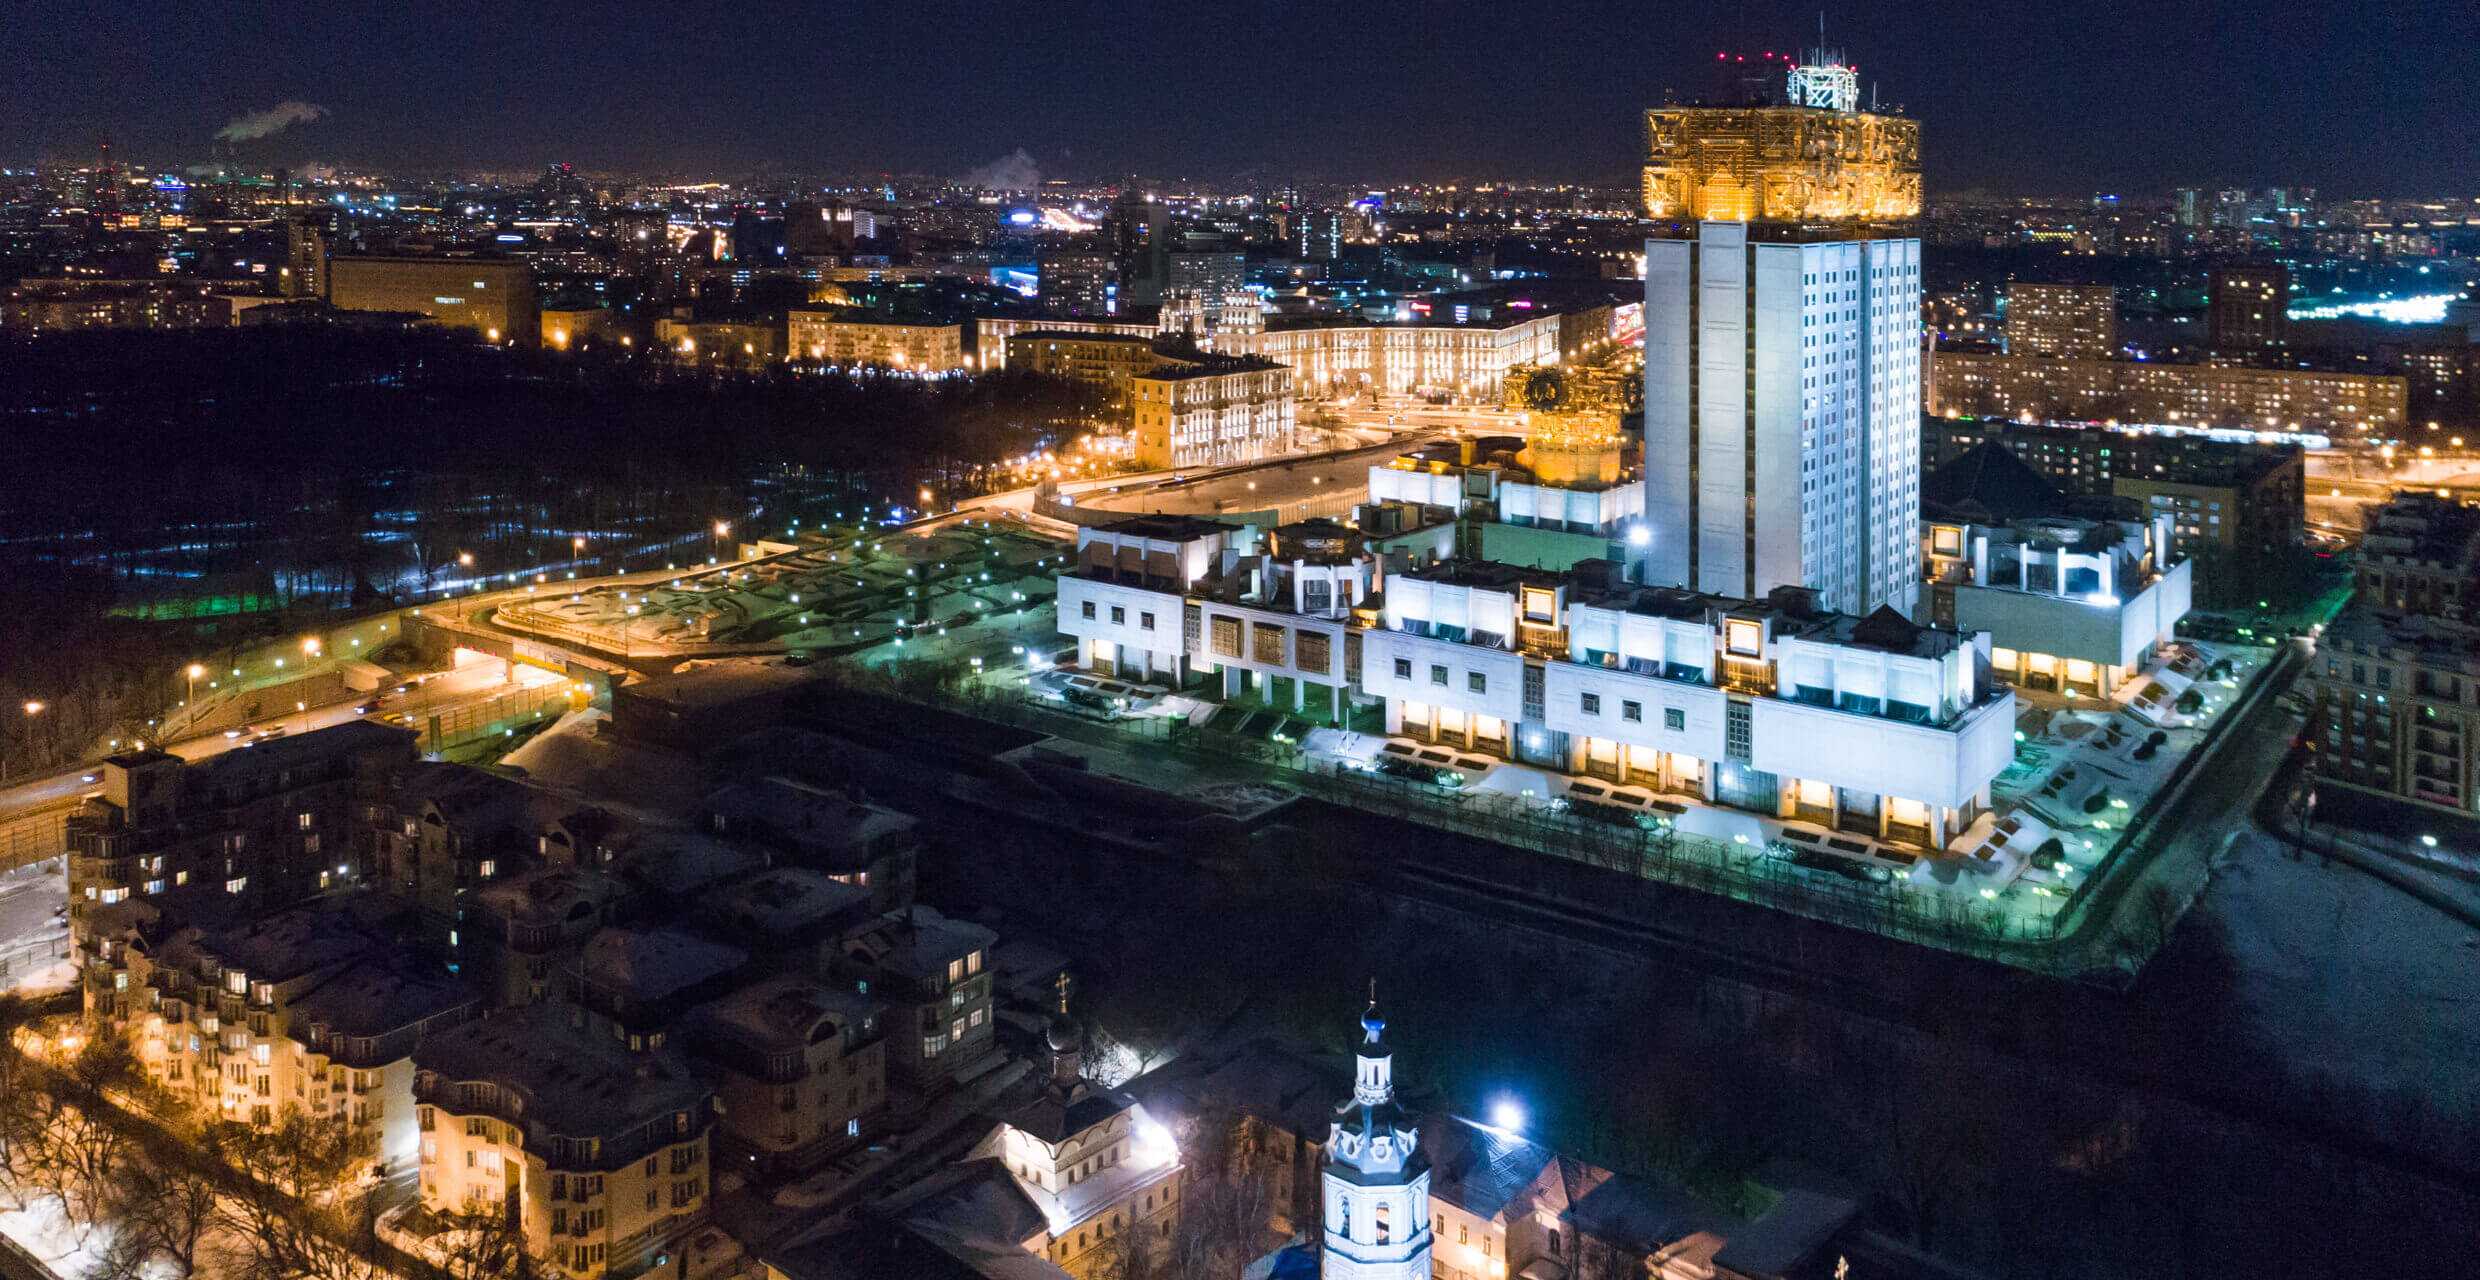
1815	159
1572	418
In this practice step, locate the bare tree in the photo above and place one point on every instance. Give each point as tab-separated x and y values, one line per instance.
484	1244
1223	1227
161	1215
81	1153
297	1212
24	1110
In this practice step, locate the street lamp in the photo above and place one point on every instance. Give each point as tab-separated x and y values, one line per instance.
309	646
34	707
195	671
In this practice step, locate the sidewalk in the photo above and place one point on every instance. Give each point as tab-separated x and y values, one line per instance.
2389	867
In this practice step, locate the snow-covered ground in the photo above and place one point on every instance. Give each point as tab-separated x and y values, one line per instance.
2345	973
34	926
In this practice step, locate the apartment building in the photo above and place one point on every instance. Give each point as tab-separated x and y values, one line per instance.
1341	358
799	1069
2397	708
314	1008
2075	389
838	834
268	825
934	974
2233	496
992	334
2077	321
847	339
1210	412
2417	555
598	1153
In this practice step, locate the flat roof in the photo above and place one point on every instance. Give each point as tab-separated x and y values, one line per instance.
372	998
294	751
1168	528
1083	335
293	941
1194	366
1486	573
806	814
785	900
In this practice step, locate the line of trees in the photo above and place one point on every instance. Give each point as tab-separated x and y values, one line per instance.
164	1190
342	466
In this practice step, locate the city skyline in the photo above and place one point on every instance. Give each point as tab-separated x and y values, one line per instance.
2075	96
757	643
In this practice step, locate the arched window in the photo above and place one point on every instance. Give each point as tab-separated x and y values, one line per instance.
1343	1218
1382	1227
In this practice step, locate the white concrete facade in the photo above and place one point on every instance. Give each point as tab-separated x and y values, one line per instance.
1747	705
1781	368
1138	610
1519	502
1875	725
2068	604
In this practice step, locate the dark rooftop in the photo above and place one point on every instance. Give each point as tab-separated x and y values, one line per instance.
1485	573
574	1082
1988	484
296	751
1167	528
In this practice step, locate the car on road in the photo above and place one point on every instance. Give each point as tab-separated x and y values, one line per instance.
91	777
1849	869
1092	706
233	733
397	718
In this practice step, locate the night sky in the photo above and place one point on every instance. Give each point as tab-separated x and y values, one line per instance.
2067	96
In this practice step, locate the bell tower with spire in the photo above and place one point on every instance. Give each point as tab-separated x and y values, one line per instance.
1376	1176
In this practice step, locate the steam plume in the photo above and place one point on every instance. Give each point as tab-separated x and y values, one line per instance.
1016	172
275	119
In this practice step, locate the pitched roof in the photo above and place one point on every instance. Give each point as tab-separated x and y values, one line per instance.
1786	1235
1634	1214
1988	484
655	963
1483	1170
1887	629
1059	1115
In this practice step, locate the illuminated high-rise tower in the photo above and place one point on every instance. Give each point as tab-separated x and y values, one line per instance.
1782	347
1376	1176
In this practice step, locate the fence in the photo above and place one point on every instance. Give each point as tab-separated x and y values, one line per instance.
1945	921
19	959
460	725
1711	866
32	837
